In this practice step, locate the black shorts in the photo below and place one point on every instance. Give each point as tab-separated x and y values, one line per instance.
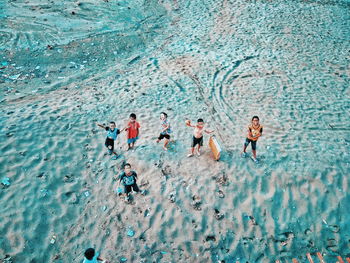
109	142
127	188
196	141
247	141
162	136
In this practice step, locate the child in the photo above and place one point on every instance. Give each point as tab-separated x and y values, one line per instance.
133	130
128	178
91	257
197	135
112	134
165	132
254	132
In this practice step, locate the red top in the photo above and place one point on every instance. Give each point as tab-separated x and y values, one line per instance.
133	129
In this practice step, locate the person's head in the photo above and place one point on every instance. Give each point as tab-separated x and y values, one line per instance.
112	125
200	122
163	115
89	253
132	117
255	120
127	168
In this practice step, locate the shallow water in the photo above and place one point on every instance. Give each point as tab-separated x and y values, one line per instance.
286	61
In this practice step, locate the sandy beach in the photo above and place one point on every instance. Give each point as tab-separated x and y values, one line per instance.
67	65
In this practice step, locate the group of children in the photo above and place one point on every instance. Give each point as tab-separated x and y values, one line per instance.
132	129
128	177
254	131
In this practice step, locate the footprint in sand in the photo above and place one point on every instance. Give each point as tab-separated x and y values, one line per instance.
218	215
196	203
172	197
221	194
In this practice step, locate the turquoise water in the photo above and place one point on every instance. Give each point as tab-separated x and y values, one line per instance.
286	61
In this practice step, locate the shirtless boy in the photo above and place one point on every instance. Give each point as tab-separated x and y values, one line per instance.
197	135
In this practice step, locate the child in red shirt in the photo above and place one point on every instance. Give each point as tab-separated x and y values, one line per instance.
132	129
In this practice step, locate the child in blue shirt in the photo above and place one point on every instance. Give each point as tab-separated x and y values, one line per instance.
112	134
91	257
128	178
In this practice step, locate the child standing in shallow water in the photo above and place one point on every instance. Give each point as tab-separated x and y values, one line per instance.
165	130
197	138
133	130
255	130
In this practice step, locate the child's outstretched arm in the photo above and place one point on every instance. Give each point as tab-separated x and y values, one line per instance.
102	126
208	132
189	124
126	127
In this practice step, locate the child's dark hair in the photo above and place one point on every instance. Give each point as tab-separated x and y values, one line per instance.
112	122
166	115
200	120
89	253
255	117
127	164
133	115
